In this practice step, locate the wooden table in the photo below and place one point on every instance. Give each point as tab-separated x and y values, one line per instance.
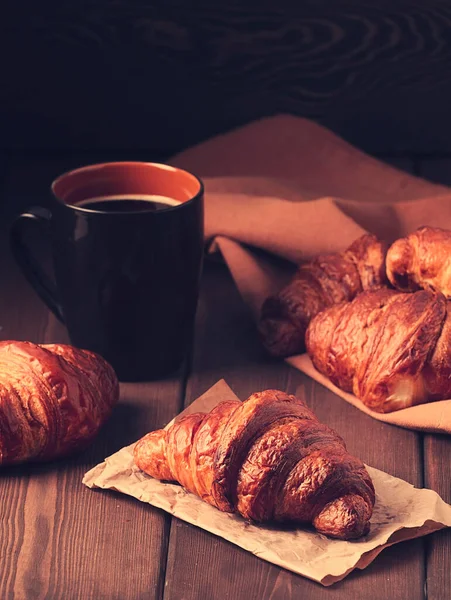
59	539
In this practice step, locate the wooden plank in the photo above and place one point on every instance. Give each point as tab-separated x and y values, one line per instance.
437	466
201	565
436	169
366	69
399	162
437	452
57	538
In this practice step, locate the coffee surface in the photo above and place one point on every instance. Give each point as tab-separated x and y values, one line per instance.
128	203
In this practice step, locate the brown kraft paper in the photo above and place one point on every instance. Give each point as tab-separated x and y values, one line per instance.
402	512
284	189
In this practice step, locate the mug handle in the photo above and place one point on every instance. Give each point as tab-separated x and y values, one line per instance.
33	272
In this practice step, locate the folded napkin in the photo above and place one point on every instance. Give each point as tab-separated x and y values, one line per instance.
285	189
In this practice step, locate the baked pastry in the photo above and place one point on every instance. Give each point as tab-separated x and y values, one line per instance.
53	399
421	260
392	350
268	459
327	280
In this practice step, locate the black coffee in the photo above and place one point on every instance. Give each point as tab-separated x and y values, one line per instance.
121	204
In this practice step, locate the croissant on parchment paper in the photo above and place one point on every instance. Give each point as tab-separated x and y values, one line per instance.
392	350
53	399
268	459
421	260
327	280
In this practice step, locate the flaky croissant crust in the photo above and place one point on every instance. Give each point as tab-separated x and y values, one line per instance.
327	280
392	350
267	458
53	399
422	260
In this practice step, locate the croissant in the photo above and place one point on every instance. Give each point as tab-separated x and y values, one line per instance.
392	350
327	280
421	260
53	399
268	459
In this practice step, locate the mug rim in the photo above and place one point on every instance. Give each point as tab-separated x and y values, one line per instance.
93	166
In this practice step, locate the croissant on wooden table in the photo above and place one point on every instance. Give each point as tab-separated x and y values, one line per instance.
268	459
421	260
327	280
390	349
53	399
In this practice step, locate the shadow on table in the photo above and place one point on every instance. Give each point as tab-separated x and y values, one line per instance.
123	428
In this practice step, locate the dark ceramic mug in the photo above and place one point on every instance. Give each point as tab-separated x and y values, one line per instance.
127	246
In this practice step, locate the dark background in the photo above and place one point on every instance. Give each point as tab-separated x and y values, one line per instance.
158	76
88	80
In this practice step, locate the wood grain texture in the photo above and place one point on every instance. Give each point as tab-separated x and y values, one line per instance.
165	75
437	453
201	565
57	538
437	466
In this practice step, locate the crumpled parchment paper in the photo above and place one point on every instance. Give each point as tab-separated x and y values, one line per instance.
402	512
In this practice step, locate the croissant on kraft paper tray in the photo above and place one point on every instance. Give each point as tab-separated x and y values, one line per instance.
268	459
327	280
390	349
53	399
422	260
